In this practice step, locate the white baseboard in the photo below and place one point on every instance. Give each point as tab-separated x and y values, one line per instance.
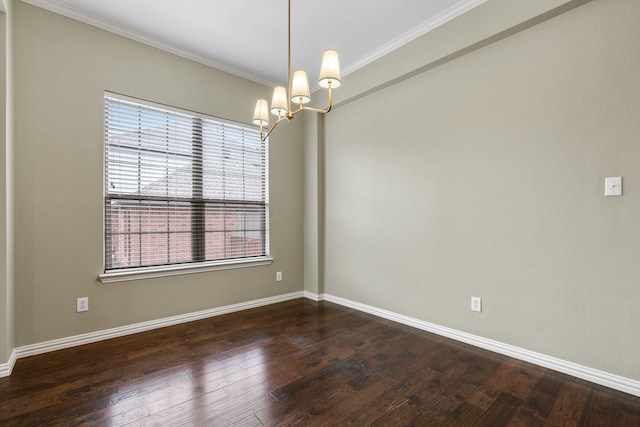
589	374
45	347
314	297
7	368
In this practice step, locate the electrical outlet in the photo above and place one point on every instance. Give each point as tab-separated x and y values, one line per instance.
82	304
279	276
476	304
613	186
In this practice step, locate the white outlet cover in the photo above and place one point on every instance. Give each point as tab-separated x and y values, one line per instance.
82	304
613	186
476	304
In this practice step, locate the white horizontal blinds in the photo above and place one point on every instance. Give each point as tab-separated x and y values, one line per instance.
180	188
234	180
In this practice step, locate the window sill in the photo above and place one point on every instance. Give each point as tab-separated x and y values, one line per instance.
174	270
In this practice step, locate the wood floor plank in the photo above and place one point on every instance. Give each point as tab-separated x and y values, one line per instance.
465	414
501	412
297	363
569	406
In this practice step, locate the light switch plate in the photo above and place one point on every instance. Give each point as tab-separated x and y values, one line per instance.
476	304
613	186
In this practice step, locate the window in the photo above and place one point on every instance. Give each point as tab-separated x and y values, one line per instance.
181	188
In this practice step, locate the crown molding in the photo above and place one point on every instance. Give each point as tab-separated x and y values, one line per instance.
453	12
111	27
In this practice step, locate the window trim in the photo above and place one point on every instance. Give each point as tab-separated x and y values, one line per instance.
146	272
178	269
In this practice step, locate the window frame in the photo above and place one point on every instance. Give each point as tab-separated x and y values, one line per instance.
143	272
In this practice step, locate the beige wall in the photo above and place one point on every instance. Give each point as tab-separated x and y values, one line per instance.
64	67
470	162
484	176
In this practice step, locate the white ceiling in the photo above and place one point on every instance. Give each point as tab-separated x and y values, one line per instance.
249	37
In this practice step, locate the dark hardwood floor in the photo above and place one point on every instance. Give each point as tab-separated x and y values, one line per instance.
298	363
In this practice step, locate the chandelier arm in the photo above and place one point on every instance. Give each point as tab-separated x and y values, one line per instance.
317	110
320	110
264	138
293	113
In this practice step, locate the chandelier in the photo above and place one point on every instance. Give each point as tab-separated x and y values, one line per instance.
297	91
